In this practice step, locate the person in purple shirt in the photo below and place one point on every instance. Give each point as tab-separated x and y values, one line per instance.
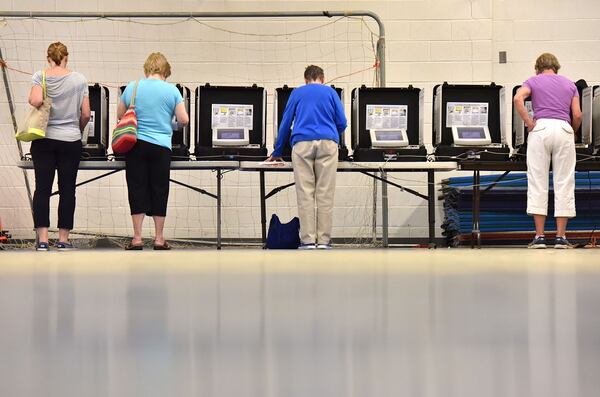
318	119
551	139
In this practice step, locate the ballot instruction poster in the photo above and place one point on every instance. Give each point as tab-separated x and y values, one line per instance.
232	116
386	117
467	114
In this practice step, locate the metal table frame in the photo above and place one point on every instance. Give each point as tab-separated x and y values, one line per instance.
370	169
366	168
113	167
500	166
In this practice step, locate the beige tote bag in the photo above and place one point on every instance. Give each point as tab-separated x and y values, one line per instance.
34	126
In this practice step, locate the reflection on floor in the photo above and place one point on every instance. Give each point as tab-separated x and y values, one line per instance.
452	323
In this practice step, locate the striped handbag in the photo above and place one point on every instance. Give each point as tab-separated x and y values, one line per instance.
125	134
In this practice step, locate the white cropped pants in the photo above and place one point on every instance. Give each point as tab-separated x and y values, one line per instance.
551	141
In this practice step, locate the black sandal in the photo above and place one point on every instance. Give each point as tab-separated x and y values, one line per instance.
134	247
164	247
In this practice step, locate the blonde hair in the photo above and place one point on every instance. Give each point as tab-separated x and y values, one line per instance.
157	63
57	52
546	61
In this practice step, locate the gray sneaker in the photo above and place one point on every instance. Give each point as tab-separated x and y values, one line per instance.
65	246
562	243
538	243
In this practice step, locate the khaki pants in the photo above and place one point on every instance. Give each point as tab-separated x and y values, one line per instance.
315	168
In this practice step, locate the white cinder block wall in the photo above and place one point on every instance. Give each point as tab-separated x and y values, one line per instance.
428	42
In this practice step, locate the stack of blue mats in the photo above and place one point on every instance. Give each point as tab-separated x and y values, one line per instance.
503	206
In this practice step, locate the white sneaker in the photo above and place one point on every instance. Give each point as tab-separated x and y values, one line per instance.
324	246
307	246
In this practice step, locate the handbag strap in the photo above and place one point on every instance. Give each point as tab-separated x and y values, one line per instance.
44	89
132	102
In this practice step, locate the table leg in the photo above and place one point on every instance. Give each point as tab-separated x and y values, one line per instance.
431	206
478	219
219	178
472	240
263	209
384	209
475	233
374	220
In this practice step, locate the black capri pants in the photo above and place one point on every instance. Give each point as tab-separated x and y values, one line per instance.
49	156
148	169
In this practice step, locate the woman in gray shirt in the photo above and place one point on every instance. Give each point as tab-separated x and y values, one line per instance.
60	150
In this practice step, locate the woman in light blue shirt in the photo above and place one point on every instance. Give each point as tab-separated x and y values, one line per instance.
148	164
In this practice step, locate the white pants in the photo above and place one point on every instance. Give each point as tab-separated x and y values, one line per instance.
551	140
315	169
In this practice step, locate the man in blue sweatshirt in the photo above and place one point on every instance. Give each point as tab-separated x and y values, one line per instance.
318	118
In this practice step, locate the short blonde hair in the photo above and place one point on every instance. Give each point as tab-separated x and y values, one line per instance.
157	63
57	52
546	61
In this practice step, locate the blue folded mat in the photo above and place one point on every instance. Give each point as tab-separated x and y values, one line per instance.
502	207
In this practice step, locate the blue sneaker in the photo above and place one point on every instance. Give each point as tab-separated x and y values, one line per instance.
42	247
538	243
562	243
64	246
307	246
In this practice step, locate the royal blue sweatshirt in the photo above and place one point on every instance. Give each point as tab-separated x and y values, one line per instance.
317	113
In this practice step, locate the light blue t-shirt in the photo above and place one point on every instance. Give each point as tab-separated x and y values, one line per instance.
155	104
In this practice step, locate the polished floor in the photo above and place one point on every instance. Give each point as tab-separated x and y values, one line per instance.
360	323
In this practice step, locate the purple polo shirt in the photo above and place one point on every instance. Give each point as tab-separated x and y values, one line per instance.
551	96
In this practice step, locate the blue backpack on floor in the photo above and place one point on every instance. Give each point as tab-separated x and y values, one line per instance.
283	235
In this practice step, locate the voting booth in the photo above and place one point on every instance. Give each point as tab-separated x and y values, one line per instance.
584	145
280	100
95	135
180	142
387	124
468	122
595	90
519	129
230	122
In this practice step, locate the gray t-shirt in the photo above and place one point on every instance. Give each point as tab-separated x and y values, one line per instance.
67	94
